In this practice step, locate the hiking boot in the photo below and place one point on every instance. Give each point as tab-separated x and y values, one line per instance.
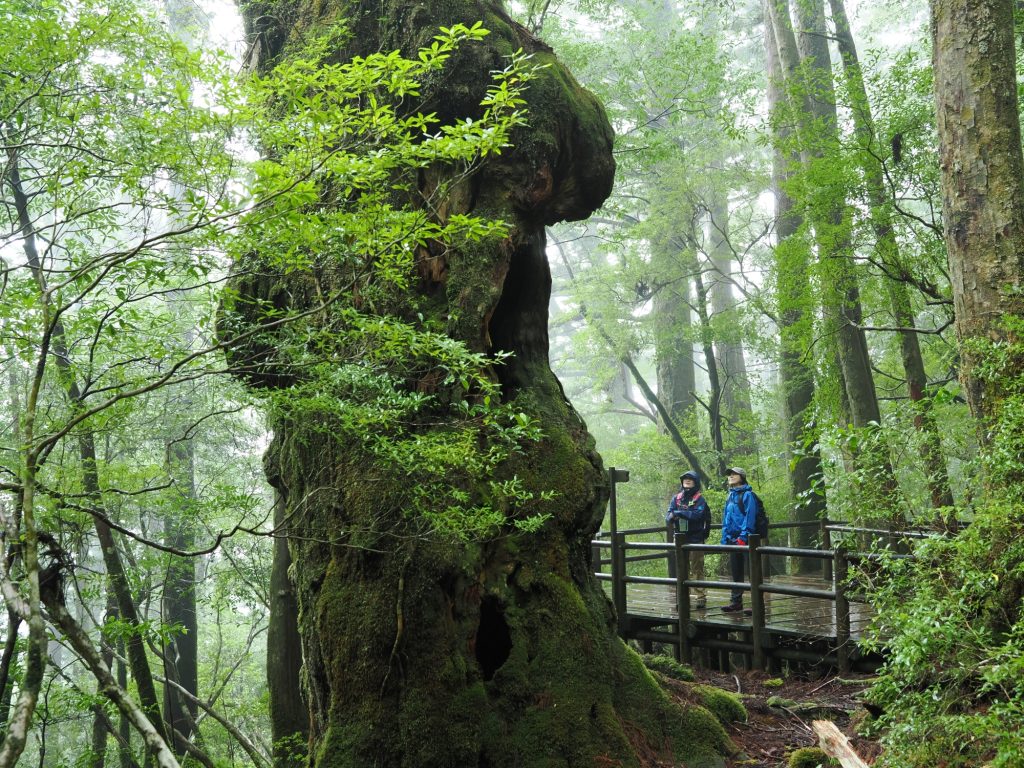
733	608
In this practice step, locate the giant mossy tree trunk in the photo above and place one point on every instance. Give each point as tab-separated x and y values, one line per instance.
424	651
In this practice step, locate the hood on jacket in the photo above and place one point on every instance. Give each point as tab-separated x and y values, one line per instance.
693	476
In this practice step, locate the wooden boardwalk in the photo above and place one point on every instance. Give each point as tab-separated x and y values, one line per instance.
814	619
808	618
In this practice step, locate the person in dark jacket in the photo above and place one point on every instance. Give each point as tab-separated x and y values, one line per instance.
690	505
739	520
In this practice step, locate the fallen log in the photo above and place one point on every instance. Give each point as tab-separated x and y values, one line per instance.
834	742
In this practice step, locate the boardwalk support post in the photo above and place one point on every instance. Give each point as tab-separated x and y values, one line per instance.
619	580
682	567
826	545
756	602
842	612
670	537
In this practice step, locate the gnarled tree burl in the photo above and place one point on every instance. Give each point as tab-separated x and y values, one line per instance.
419	651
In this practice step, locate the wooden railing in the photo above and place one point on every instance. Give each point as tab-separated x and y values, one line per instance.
759	635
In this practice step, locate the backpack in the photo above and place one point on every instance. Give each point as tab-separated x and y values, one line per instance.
706	532
761	521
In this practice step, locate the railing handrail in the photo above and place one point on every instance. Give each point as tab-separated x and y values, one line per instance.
905	533
758	586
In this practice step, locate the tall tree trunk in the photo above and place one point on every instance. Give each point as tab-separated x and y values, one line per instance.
673	346
888	250
796	373
983	217
289	712
178	609
819	138
982	182
715	394
418	649
832	229
732	365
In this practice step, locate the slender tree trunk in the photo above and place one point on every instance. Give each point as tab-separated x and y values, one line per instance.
7	661
29	606
100	723
90	475
181	651
714	404
124	728
732	366
289	712
11	649
888	249
833	228
673	345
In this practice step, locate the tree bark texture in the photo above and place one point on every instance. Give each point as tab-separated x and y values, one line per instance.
982	181
424	651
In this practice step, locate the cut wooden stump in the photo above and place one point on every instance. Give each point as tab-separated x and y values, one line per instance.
834	742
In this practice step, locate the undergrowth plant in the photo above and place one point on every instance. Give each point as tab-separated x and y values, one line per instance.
950	620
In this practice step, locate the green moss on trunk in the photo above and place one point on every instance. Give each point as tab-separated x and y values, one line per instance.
426	652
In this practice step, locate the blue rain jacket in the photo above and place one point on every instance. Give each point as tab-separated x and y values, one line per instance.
740	516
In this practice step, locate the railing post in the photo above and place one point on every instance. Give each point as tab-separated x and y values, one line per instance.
756	601
670	537
826	544
618	580
682	568
842	612
615	476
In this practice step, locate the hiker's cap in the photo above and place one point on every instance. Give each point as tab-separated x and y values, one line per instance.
736	471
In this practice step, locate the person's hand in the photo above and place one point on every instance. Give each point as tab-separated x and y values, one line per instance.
740	543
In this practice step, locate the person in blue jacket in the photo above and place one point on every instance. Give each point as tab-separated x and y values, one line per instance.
739	520
690	505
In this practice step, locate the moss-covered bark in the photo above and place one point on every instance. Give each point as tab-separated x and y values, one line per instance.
420	651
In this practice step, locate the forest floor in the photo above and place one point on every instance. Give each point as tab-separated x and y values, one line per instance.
780	716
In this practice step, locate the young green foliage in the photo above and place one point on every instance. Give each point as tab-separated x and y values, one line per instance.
347	150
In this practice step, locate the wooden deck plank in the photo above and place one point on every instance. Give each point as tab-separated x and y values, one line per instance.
809	617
